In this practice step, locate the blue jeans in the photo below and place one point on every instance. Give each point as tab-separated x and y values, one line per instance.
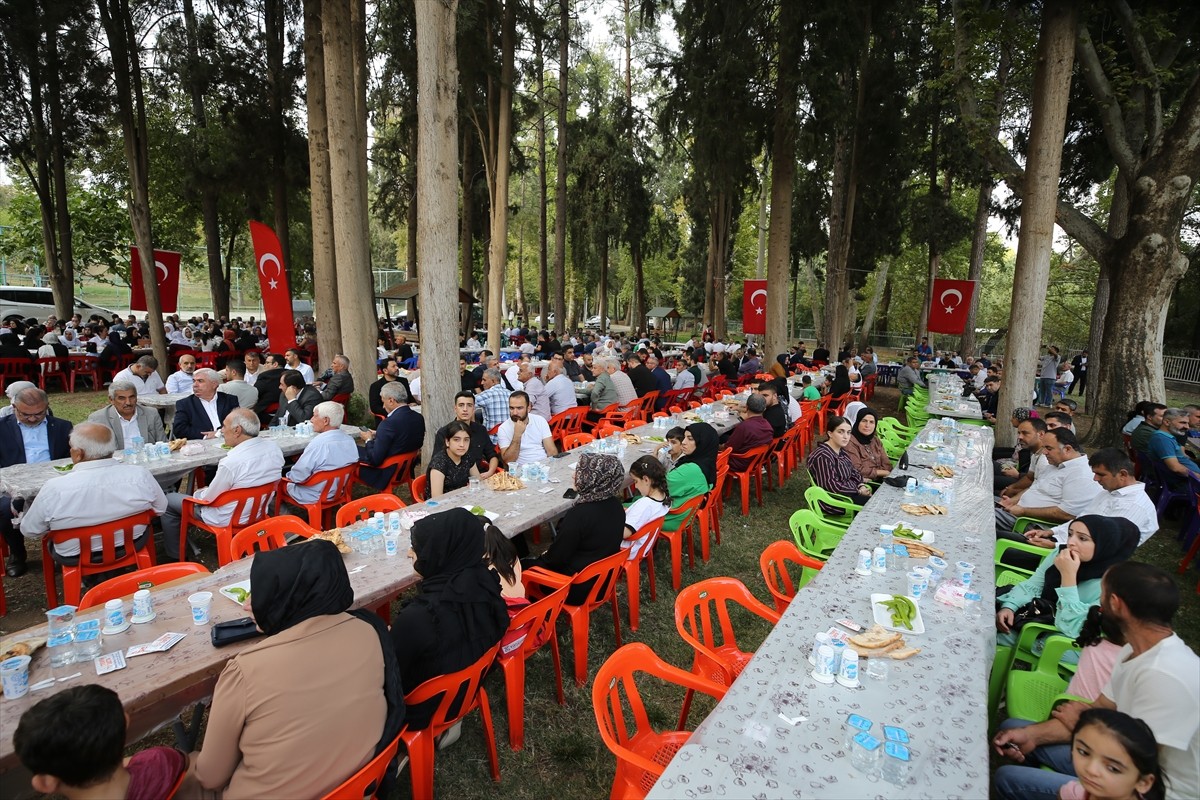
1046	391
1018	781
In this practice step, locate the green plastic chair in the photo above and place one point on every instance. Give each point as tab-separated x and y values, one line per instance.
814	536
815	495
1007	657
1031	694
892	426
1004	545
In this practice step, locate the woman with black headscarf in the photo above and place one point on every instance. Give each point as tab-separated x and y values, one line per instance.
112	351
696	471
301	710
1067	582
841	379
458	614
865	449
594	527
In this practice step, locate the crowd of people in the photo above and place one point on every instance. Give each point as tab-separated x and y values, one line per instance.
1140	735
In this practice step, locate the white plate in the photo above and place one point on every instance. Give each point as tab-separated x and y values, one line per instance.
224	590
927	448
884	617
927	537
491	515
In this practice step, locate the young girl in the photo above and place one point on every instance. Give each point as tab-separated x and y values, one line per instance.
1115	757
501	557
650	481
668	452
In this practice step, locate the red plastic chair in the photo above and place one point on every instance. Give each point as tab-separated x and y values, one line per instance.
643	753
702	619
417	487
253	503
606	429
364	784
751	474
14	369
364	507
336	487
573	440
119	363
568	421
782	458
404	463
269	534
774	565
55	369
104	560
82	367
343	400
126	585
603	575
446	689
687	513
633	568
537	620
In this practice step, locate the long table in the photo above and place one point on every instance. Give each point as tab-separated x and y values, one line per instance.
744	748
946	400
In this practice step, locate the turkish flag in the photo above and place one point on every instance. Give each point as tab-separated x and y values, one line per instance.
754	307
166	268
272	279
950	305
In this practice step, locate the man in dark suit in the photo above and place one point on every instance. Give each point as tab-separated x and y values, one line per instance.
340	382
639	375
296	399
27	436
267	384
200	414
401	431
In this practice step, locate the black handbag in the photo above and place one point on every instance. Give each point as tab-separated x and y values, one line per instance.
1038	610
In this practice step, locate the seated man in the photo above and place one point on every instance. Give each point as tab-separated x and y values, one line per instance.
612	385
468	380
1164	448
908	378
560	391
1123	496
97	490
340	382
989	398
331	448
251	462
571	365
180	381
753	431
143	374
775	413
200	414
482	450
1154	680
296	399
751	365
639	374
1152	420
539	401
1058	497
254	366
236	385
293	361
389	373
401	431
126	419
267	386
493	400
524	438
27	436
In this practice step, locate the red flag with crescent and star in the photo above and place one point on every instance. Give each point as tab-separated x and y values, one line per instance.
754	307
272	279
166	270
950	306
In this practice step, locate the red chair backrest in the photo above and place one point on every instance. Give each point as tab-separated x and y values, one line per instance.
337	483
125	585
268	535
462	684
250	504
573	440
603	574
365	783
536	622
106	531
364	507
702	613
753	457
417	486
774	565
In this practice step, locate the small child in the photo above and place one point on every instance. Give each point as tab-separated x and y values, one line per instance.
73	743
650	481
1115	757
670	451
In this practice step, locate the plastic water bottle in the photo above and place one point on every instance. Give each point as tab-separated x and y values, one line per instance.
972	607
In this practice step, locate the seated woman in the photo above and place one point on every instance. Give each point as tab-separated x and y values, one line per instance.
650	482
695	472
502	559
594	527
832	469
449	468
261	740
458	613
112	351
865	449
1068	580
841	379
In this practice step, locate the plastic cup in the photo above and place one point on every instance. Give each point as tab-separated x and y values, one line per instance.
824	671
14	674
916	582
965	568
114	613
143	604
200	602
877	668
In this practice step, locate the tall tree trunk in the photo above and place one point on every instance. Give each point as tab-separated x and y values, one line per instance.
543	250
560	185
522	307
602	292
275	24
63	278
935	255
131	111
886	305
1118	218
437	99
43	185
722	229
709	273
816	297
347	185
783	172
881	275
1051	91
966	344
466	242
324	266
498	246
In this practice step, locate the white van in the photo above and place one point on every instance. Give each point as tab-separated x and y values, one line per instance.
22	302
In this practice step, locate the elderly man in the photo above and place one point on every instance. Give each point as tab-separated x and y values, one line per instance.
493	400
292	359
296	399
482	449
96	490
538	399
331	448
559	388
340	382
200	414
1058	494
27	436
524	438
12	390
612	385
143	374
753	431
512	375
253	366
1165	449
401	431
908	378
126	419
236	385
180	381
251	462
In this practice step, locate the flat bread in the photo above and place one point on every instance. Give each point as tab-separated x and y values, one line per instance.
874	637
901	655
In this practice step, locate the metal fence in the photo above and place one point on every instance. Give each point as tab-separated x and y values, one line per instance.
1179	368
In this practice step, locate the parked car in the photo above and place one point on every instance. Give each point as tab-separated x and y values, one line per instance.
538	319
22	302
594	322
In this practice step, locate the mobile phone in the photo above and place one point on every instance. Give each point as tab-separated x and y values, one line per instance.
570	494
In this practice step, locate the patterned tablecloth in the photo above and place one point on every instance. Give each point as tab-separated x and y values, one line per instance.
745	749
167	401
946	400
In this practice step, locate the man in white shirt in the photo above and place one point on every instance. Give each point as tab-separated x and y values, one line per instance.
1065	493
560	390
513	374
126	419
331	448
1154	680
527	347
96	490
253	366
524	438
1123	496
251	462
180	381
292	357
532	385
143	374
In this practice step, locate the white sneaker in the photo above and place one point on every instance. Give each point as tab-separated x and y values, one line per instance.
450	736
